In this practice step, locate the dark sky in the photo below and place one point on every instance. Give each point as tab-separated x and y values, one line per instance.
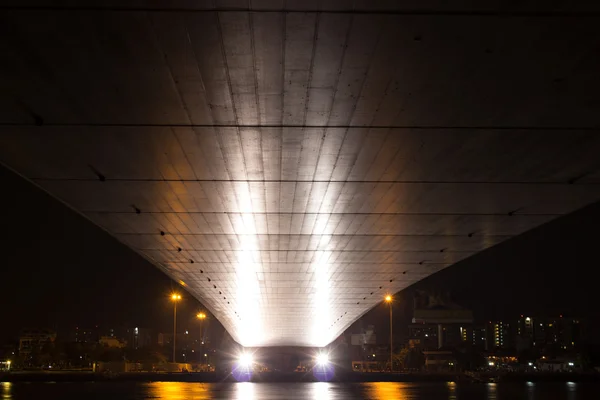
59	270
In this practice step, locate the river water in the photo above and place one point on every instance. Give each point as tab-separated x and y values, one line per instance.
292	391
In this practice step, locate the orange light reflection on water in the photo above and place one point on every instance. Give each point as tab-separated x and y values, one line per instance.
6	395
179	391
387	390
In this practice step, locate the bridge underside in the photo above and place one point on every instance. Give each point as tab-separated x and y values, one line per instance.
290	168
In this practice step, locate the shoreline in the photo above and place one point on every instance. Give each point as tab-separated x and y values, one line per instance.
350	377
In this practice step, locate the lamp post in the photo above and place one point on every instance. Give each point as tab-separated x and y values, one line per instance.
389	299
175	297
201	316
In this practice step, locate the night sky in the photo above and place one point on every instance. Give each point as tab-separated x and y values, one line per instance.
60	271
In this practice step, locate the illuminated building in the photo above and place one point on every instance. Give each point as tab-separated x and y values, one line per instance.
31	339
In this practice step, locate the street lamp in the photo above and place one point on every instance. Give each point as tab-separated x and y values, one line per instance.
201	316
389	299
175	297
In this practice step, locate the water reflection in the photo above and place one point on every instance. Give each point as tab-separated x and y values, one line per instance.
385	390
451	390
571	390
179	390
297	391
245	391
6	389
530	390
320	391
491	391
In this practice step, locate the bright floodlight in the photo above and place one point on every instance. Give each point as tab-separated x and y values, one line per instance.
245	359
322	359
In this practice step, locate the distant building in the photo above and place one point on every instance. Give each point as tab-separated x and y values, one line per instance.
479	337
496	361
558	333
85	335
425	336
474	336
439	360
110	332
558	365
422	336
541	332
523	333
525	328
496	334
112	342
438	309
363	345
184	340
367	337
500	335
137	337
528	332
31	339
367	366
452	335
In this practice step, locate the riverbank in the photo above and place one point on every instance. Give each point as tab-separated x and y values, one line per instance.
208	377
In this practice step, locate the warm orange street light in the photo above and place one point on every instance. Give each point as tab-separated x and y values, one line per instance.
201	316
175	297
389	299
